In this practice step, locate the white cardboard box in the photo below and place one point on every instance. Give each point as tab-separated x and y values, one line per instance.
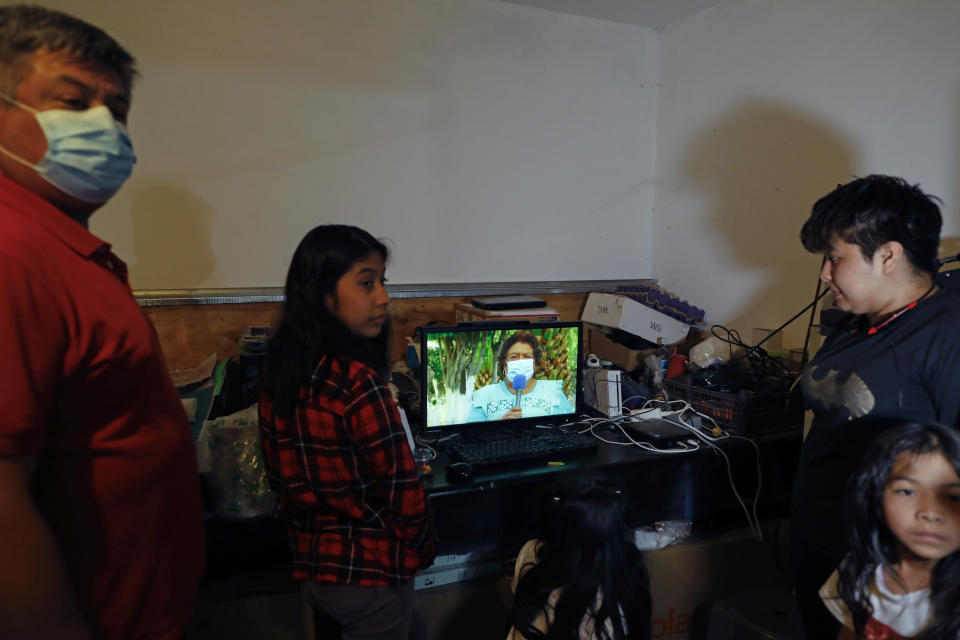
623	313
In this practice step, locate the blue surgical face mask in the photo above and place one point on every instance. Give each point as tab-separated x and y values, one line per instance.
517	367
89	155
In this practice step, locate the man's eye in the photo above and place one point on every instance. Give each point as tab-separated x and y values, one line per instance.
75	104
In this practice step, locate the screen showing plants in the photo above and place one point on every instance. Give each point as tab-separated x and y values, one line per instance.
484	375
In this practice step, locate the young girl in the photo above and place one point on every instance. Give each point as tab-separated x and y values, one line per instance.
585	578
358	519
901	578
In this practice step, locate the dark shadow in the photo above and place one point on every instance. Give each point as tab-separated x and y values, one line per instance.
481	614
171	239
763	164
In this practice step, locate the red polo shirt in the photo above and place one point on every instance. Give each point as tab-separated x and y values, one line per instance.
85	389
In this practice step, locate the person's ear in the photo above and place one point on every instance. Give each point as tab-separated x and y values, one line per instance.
889	254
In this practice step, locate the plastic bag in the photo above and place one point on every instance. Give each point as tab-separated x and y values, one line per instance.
662	534
712	351
229	452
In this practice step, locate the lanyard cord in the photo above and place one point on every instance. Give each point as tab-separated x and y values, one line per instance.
896	314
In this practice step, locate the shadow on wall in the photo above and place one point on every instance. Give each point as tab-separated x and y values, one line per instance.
762	166
171	239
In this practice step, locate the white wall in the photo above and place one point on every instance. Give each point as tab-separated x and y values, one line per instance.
765	105
489	141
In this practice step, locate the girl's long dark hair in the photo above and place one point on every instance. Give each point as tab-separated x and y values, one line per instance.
872	544
306	330
588	548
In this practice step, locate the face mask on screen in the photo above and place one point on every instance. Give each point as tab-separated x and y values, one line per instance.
89	154
517	367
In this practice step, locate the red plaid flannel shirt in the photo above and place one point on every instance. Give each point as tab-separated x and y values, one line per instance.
357	512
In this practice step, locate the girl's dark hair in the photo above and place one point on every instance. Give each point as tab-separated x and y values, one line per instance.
306	330
587	549
872	544
873	210
519	336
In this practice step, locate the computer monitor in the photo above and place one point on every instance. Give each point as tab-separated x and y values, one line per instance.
468	374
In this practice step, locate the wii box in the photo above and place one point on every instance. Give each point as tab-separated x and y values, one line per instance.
620	312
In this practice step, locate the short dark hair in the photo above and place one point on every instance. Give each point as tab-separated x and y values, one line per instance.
869	539
873	210
519	336
26	29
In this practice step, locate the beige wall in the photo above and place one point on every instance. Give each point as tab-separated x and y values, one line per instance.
489	141
765	105
494	141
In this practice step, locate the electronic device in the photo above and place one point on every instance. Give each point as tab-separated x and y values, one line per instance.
602	391
529	444
459	472
660	432
465	390
508	302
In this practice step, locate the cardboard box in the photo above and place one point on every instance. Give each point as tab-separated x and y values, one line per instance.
624	357
468	313
688	576
683	578
623	313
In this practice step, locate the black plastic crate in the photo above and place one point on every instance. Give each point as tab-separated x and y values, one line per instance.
742	412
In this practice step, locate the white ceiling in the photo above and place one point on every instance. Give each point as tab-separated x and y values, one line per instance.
655	14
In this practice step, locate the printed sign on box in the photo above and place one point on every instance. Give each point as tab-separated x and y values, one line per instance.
631	316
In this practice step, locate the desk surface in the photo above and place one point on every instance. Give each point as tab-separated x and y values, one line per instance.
499	508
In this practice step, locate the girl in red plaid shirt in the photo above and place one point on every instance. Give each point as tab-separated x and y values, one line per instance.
358	519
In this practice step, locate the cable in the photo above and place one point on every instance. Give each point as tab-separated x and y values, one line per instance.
813	312
756	448
753	521
762	357
615	422
795	316
423	444
732	337
948	259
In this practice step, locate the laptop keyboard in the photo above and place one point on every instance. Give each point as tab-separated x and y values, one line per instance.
500	448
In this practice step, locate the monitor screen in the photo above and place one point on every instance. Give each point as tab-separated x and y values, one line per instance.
471	375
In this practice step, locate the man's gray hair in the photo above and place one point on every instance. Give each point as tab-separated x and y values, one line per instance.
26	29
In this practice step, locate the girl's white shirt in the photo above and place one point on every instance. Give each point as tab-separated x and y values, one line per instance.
908	614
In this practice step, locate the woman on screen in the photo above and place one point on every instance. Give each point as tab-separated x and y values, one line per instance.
518	360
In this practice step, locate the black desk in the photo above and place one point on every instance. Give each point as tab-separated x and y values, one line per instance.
497	510
496	513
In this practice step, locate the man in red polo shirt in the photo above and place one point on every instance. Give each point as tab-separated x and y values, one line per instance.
100	520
